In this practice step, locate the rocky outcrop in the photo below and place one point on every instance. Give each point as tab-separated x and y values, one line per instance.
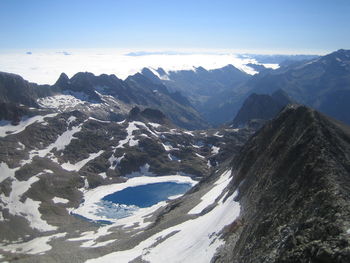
105	97
293	181
261	107
12	112
149	115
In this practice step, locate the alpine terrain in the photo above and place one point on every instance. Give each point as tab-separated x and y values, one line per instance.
179	166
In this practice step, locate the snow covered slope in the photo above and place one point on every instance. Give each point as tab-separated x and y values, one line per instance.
55	166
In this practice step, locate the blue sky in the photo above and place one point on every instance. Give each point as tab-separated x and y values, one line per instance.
305	26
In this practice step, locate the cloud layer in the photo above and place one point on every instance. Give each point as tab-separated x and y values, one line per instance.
45	66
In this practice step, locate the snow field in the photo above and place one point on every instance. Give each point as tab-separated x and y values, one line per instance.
180	243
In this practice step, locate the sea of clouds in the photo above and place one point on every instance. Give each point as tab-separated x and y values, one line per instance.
45	66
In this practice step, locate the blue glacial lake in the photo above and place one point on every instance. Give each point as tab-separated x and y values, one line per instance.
147	195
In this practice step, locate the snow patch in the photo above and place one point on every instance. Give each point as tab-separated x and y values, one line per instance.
60	102
21	146
189	133
103	175
77	166
130	137
168	147
173	158
94	119
215	149
71	119
115	161
218	135
180	243
7	129
58	200
6	172
60	144
200	156
154	125
29	209
36	246
210	197
209	164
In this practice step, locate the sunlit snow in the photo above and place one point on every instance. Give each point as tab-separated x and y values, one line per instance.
180	243
6	128
45	66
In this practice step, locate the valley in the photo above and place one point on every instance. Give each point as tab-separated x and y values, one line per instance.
178	166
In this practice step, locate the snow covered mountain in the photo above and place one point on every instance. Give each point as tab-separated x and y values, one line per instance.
205	89
105	97
319	82
277	193
322	83
56	169
56	166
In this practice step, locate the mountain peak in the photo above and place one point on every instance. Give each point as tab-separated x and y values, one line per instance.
151	76
261	107
299	162
148	115
63	80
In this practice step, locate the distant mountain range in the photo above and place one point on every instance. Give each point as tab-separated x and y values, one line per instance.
322	83
199	96
270	185
319	82
104	96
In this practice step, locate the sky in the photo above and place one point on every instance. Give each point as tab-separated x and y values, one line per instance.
280	26
39	39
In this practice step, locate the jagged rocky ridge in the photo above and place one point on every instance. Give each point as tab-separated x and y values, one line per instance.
319	82
293	183
322	83
205	89
283	197
105	97
198	96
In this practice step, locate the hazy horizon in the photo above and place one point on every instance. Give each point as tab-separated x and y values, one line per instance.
45	66
41	39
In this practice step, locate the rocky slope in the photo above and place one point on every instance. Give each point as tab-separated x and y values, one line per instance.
281	196
261	107
322	83
51	160
319	82
105	97
293	183
205	89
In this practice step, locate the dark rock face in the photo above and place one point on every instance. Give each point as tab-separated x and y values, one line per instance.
148	115
14	88
316	83
293	180
12	112
63	81
261	107
205	89
114	96
156	96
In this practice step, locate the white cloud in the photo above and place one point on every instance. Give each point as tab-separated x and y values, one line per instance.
45	66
